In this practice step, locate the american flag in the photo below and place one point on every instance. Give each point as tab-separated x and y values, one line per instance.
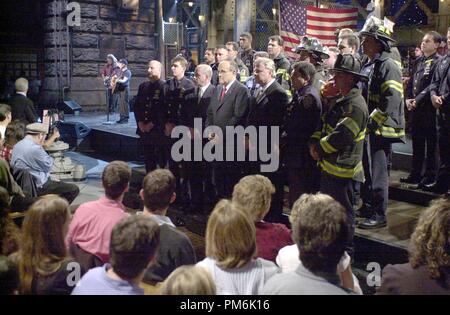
297	20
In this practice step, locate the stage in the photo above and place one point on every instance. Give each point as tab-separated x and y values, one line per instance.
384	245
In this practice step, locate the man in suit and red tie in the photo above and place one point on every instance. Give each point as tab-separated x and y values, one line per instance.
229	107
267	108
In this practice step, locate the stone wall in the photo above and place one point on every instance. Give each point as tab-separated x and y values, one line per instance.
100	22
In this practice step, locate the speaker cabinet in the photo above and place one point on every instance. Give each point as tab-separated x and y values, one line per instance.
69	107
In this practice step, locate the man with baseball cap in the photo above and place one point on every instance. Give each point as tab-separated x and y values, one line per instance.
338	144
29	155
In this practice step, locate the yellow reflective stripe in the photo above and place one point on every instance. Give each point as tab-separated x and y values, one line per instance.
340	171
379	117
316	135
328	148
398	86
327	129
243	78
281	71
390	132
399	64
384	30
361	136
286	76
351	125
289	93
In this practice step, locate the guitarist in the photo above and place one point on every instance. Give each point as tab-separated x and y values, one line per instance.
107	73
121	83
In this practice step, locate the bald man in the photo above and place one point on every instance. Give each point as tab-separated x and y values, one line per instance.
149	114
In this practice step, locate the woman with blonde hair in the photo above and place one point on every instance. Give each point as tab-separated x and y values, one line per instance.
231	251
44	266
428	269
189	280
253	194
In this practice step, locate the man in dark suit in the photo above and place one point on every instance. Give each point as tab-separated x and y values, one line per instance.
198	171
22	107
267	108
229	107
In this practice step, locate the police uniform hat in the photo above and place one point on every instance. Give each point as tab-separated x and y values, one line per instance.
380	30
36	128
349	64
313	46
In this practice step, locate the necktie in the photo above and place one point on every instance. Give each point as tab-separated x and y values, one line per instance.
199	95
222	94
259	95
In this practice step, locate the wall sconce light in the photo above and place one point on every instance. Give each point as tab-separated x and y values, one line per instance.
190	4
274	11
171	19
201	18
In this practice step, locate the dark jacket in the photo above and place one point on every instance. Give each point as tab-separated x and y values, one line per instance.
201	105
405	280
22	108
302	119
177	96
340	139
175	249
149	105
232	110
283	74
424	115
385	98
440	86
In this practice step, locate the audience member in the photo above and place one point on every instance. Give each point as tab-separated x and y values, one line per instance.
189	280
13	134
253	194
133	246
29	155
231	249
44	265
288	258
18	200
321	232
5	118
9	233
22	107
428	269
9	277
90	229
175	248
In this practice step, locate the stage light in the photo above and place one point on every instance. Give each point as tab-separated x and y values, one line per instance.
191	4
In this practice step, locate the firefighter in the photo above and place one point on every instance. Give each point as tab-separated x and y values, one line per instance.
338	143
312	51
384	93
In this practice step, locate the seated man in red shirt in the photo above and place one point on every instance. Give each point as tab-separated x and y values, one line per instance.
91	226
253	195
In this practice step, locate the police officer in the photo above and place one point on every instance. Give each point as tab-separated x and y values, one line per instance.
384	93
311	50
424	132
338	144
302	120
246	53
282	64
149	114
440	91
179	93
